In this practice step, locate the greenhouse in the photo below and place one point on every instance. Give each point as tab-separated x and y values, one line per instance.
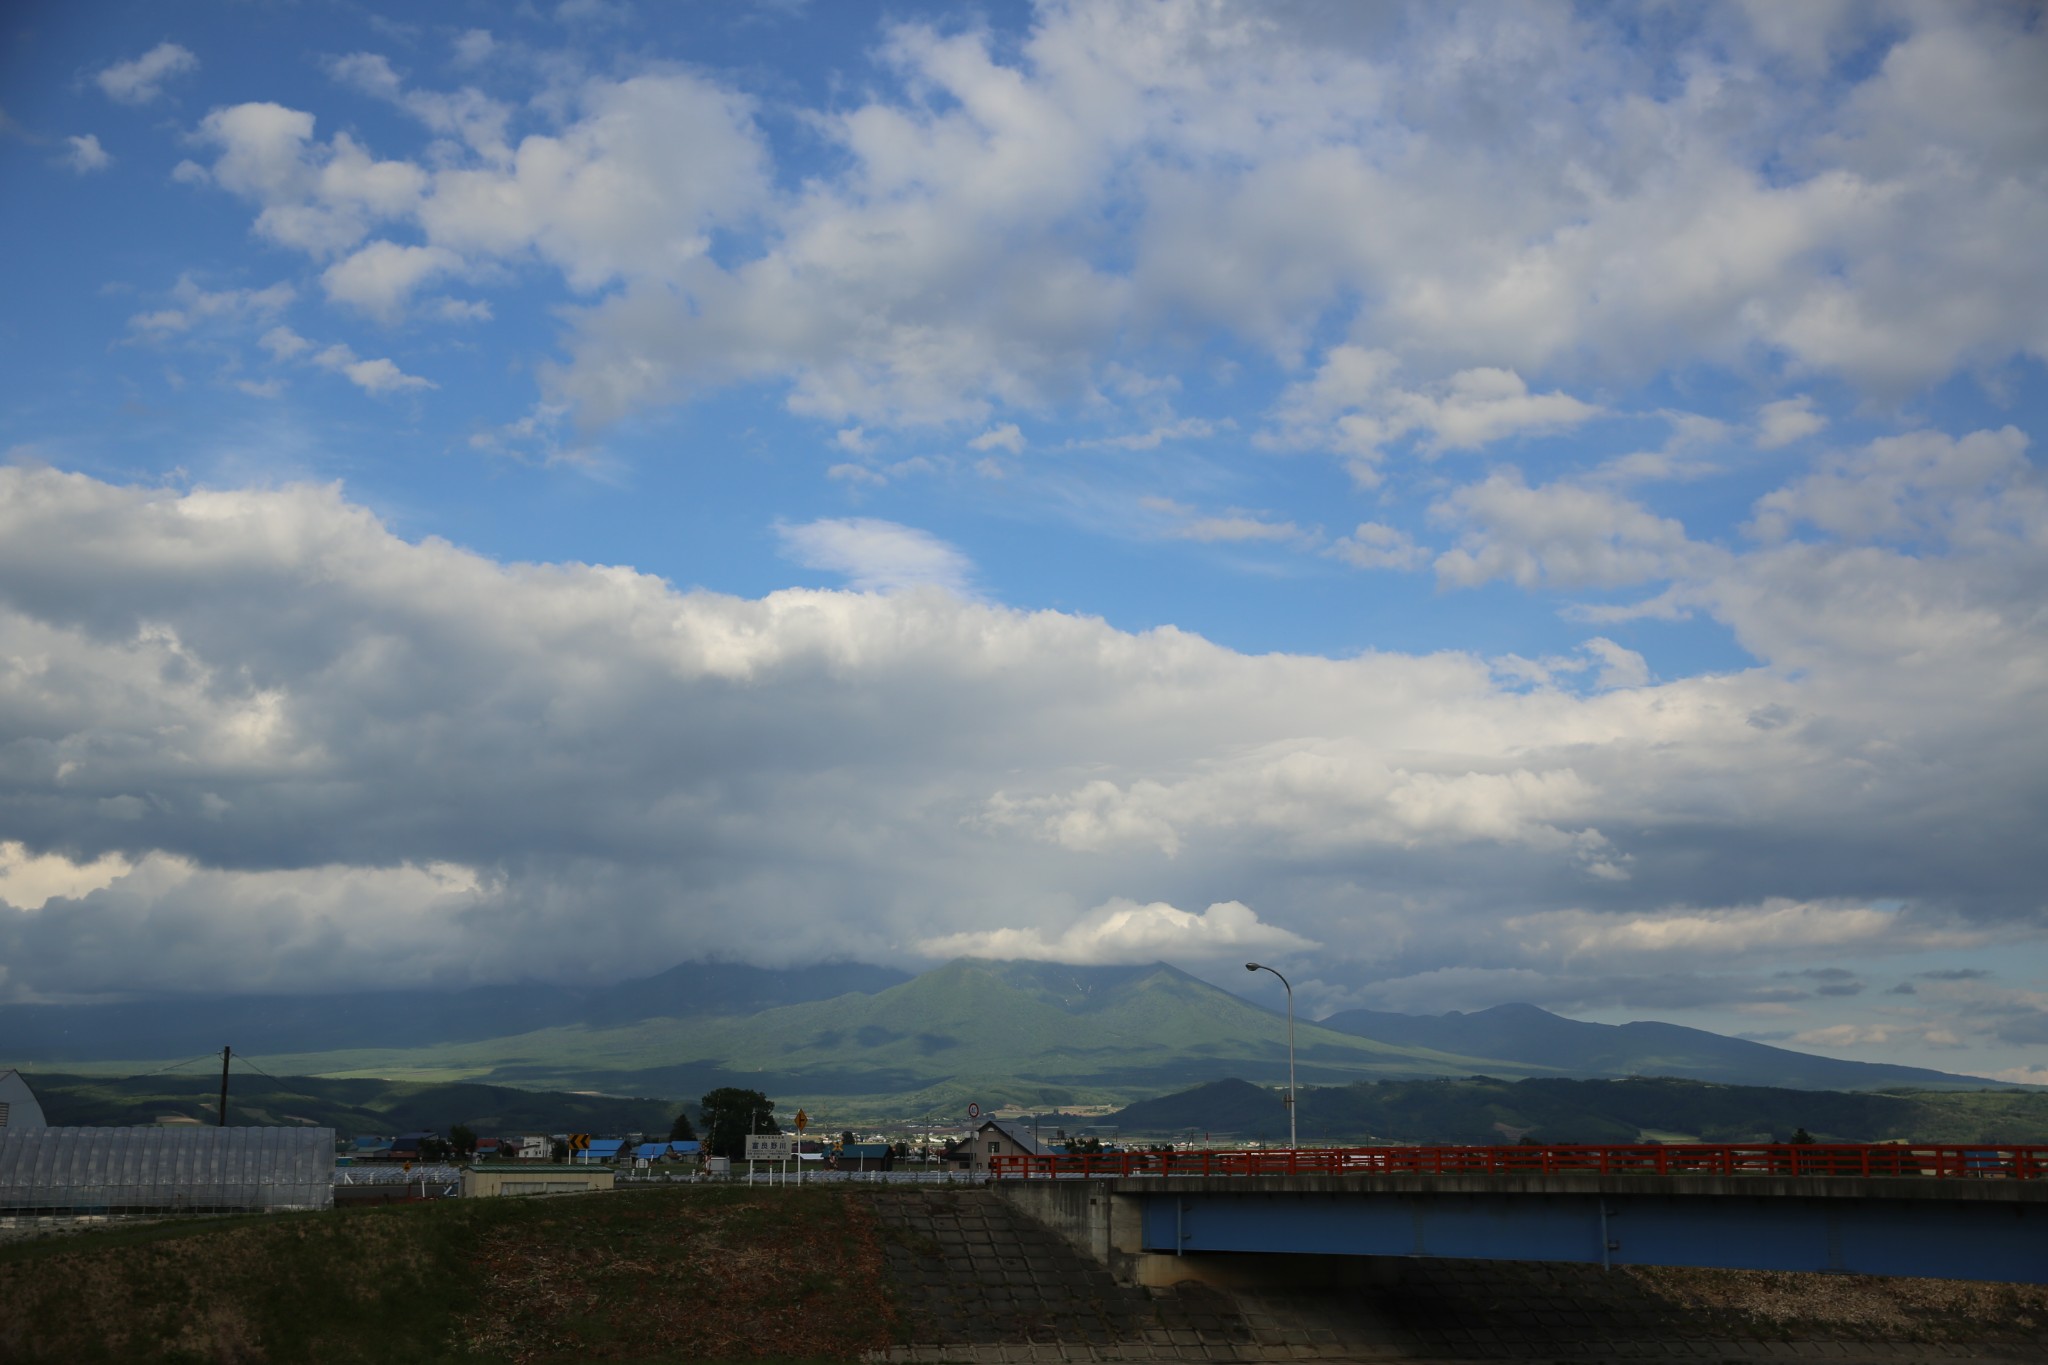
165	1170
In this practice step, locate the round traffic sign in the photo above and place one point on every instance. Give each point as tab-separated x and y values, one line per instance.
974	1111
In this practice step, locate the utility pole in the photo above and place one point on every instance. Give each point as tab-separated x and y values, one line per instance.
225	1053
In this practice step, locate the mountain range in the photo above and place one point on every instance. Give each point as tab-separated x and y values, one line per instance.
872	1041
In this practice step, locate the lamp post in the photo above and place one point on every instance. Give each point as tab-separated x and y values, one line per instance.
1261	967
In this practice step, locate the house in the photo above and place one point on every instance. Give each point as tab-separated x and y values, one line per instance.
667	1151
864	1156
19	1107
1000	1137
406	1146
600	1150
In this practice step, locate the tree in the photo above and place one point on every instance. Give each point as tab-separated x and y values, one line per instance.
682	1130
846	1138
558	1151
462	1139
1801	1138
730	1114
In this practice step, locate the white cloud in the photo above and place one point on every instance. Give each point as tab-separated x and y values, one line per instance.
86	154
380	278
876	556
474	46
1619	666
378	376
28	881
141	80
1924	484
1237	528
1557	534
1005	437
248	682
1787	420
853	440
857	474
1760	931
1351	406
283	343
1007	226
318	198
1125	931
194	306
1375	546
462	310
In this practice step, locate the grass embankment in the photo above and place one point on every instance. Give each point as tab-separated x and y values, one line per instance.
696	1274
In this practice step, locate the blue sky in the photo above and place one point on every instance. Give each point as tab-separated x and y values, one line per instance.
1497	502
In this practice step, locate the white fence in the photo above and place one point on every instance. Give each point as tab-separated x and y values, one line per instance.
397	1175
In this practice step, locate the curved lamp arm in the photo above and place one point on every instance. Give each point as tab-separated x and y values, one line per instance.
1292	1142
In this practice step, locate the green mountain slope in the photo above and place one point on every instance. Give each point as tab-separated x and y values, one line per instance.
971	1030
1002	1033
1525	1033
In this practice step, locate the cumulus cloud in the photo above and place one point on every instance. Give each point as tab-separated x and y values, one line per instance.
1787	420
1007	225
1376	546
28	881
86	155
192	305
380	278
1352	406
1125	931
875	555
267	699
141	80
1557	534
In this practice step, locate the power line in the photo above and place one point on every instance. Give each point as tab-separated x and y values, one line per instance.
243	1058
145	1075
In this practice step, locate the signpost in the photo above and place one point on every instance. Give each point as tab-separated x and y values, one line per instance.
974	1111
803	1121
775	1147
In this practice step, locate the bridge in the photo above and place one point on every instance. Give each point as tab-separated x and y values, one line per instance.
1972	1212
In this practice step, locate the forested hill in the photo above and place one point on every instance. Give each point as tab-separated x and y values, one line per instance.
1481	1109
1532	1036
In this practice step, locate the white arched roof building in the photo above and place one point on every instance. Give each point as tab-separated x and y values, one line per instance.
18	1105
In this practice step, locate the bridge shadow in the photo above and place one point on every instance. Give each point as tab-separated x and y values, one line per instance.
978	1280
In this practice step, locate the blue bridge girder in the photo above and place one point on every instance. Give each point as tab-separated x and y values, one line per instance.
1990	1229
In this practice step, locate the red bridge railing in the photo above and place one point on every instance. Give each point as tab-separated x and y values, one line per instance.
1943	1161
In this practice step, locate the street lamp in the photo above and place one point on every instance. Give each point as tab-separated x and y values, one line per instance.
1261	967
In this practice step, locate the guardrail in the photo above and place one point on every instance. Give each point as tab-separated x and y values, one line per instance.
1973	1161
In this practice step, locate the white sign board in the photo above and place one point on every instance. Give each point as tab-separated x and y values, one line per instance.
770	1147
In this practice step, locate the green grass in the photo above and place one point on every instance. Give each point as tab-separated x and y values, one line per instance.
689	1274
